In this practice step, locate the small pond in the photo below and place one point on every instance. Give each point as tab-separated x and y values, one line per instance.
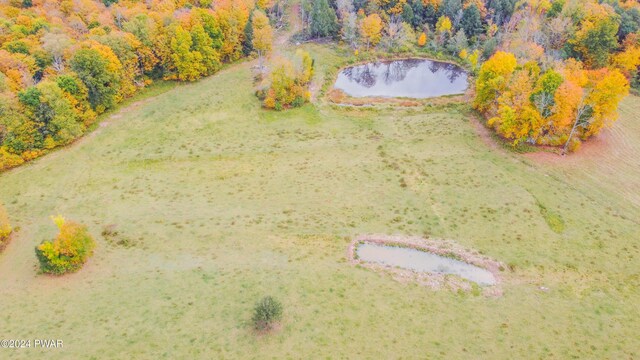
411	78
423	261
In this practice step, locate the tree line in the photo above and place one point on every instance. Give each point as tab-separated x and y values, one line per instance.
62	63
555	70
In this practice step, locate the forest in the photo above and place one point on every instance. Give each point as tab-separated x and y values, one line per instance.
63	63
375	179
547	72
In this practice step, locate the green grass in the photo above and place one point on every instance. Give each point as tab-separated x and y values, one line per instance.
222	203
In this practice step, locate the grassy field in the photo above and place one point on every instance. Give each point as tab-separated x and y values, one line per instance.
219	203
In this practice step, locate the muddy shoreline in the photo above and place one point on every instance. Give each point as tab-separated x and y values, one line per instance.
433	281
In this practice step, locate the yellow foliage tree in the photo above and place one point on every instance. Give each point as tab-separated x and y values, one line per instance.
443	25
262	33
370	29
473	58
493	78
5	226
68	251
628	60
609	89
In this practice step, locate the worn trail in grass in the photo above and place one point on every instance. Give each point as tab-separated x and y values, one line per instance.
219	203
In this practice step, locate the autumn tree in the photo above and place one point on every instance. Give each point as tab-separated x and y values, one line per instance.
422	39
262	34
70	249
5	227
493	78
609	88
201	43
188	64
289	82
370	30
56	44
596	38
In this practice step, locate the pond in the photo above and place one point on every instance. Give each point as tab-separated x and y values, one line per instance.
423	261
411	78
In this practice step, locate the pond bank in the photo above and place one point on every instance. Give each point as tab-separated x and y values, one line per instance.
435	281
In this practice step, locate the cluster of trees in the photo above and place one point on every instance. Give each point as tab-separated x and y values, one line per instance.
561	66
288	82
564	68
5	227
71	248
62	63
448	26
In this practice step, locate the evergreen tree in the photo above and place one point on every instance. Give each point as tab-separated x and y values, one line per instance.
418	11
452	9
247	45
431	14
502	10
324	21
407	13
471	21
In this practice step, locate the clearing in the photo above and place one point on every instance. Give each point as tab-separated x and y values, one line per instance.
218	203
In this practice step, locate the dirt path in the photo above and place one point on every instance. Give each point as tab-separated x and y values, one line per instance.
295	25
484	133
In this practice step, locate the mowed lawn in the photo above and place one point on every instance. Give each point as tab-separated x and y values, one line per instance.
219	203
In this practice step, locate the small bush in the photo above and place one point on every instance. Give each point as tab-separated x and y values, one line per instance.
288	83
267	312
5	227
68	251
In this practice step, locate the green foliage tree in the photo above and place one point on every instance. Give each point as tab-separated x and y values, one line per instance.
102	83
418	11
266	313
471	21
452	9
53	111
502	10
247	45
324	21
544	96
629	20
595	40
407	13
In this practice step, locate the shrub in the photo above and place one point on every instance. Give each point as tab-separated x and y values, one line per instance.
9	160
68	251
267	312
288	83
5	226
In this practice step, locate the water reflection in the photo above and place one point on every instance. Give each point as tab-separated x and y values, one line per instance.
415	78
